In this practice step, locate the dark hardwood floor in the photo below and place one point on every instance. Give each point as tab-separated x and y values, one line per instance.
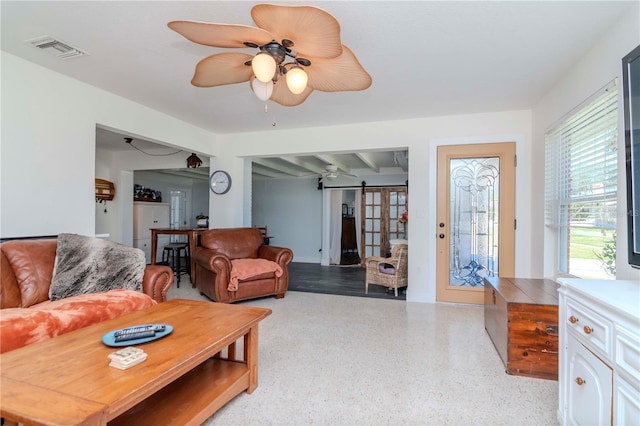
342	280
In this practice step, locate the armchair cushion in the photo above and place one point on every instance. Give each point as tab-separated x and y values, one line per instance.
385	268
243	269
87	265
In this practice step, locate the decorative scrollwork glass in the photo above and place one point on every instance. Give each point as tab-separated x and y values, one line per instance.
474	220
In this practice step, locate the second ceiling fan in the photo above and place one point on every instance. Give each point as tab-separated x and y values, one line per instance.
331	172
307	35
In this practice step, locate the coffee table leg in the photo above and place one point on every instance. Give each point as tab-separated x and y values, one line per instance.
251	356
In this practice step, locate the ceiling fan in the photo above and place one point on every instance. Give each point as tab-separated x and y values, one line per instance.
331	172
319	62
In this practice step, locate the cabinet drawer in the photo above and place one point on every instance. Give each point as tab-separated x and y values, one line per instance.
628	353
590	327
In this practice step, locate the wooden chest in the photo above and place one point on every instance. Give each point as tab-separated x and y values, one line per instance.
521	317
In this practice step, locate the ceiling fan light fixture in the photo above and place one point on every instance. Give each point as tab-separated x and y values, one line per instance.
331	176
314	32
297	80
261	89
264	66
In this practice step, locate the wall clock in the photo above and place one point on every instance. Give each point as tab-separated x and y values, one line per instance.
220	182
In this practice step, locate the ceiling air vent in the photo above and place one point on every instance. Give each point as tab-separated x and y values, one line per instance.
55	47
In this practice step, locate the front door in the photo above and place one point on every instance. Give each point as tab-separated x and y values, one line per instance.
476	219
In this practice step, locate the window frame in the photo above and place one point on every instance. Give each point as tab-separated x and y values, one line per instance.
565	142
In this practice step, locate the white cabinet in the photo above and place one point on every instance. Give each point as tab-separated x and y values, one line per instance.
599	370
589	393
148	215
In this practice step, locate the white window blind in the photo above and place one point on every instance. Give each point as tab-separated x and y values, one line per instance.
581	164
581	167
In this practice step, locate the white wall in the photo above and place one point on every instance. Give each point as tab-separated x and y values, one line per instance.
200	193
292	211
230	210
48	146
598	67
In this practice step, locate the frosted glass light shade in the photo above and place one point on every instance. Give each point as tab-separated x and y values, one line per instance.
297	80
262	90
264	66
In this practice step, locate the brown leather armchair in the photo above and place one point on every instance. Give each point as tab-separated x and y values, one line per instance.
216	270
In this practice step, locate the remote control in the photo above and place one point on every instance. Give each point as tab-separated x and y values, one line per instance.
155	327
134	336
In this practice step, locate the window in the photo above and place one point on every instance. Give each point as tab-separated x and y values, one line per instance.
581	184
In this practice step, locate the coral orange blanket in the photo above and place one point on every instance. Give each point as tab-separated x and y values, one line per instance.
242	269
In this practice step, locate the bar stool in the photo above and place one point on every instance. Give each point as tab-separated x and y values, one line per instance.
177	256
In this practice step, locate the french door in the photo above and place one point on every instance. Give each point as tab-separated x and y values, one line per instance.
476	219
381	209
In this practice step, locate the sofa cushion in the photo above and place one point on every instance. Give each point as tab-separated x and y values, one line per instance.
9	289
32	265
23	326
87	265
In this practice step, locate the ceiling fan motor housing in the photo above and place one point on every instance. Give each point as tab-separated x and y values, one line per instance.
276	50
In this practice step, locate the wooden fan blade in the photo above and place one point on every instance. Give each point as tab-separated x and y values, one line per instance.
283	96
343	73
314	31
220	35
221	69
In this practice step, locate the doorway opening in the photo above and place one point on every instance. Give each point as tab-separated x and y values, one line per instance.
345	227
161	170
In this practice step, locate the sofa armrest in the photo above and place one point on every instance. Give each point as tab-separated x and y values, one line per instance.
282	256
156	281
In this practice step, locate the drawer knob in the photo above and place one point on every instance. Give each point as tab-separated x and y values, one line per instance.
580	381
573	319
588	330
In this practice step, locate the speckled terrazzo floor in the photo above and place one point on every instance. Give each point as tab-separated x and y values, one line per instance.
340	360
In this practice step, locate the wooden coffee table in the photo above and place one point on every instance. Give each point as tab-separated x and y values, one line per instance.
185	379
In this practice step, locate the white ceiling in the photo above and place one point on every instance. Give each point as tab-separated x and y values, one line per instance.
426	58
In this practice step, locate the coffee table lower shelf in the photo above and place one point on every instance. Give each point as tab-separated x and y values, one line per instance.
192	398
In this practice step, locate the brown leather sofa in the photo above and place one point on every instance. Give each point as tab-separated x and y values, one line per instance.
27	315
213	265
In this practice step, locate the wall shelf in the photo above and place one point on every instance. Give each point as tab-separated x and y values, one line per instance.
105	190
